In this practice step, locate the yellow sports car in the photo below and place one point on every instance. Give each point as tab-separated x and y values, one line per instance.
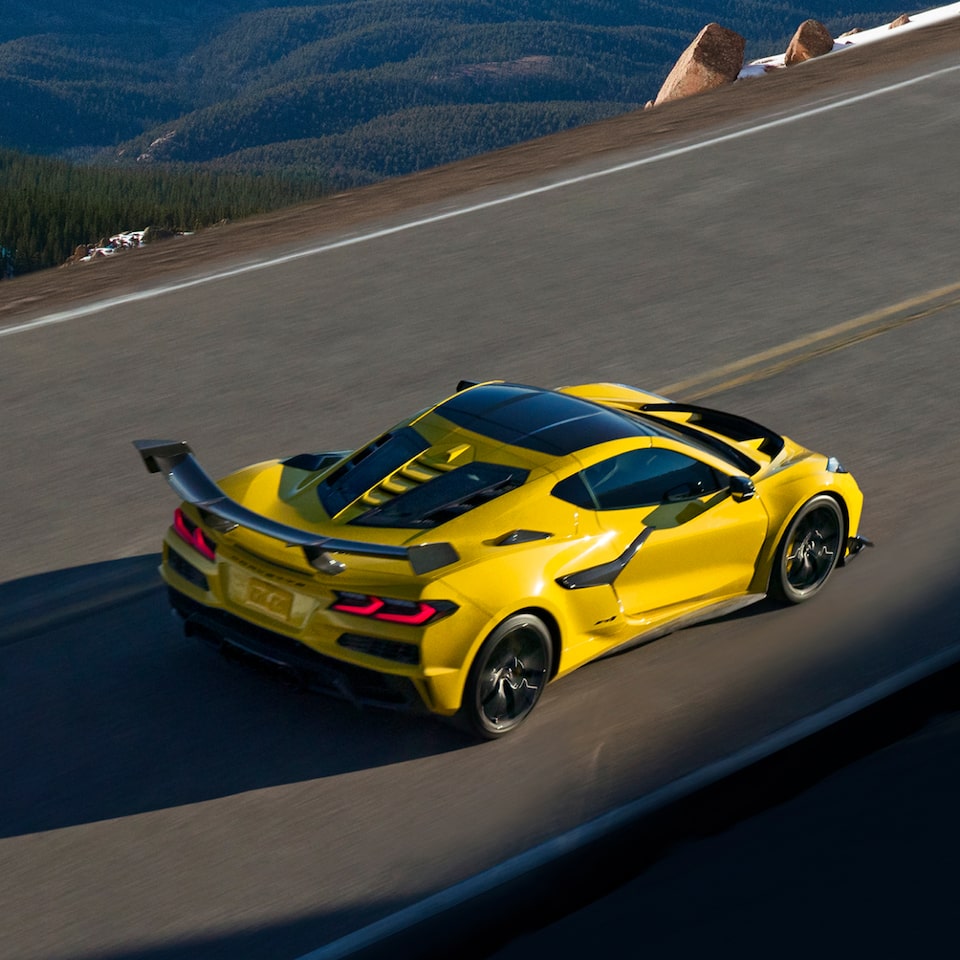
499	540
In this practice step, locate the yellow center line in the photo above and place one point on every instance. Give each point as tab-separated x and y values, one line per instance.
716	377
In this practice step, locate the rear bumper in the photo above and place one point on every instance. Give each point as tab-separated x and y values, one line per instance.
294	660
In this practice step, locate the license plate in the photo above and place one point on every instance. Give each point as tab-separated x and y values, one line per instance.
270	599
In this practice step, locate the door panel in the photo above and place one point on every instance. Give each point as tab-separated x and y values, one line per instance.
698	549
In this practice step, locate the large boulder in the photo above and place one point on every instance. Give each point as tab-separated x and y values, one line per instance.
714	58
812	39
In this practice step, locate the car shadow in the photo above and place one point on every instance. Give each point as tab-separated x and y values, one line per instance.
108	710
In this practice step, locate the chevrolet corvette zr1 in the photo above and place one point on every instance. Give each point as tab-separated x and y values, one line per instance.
498	540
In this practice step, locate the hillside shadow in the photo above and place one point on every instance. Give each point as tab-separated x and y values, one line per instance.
108	710
681	909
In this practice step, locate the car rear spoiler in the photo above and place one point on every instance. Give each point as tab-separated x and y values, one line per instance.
731	425
191	483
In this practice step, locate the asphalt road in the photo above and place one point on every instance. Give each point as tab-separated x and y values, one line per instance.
159	802
860	863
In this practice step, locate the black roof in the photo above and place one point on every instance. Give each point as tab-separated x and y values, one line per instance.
537	419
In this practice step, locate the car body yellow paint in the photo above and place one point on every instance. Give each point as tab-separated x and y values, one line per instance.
526	550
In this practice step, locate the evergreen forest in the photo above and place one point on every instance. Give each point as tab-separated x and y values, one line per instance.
50	206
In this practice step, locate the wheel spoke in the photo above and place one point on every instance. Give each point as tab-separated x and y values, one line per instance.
522	696
495	705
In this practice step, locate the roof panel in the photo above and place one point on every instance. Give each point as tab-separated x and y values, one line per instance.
541	420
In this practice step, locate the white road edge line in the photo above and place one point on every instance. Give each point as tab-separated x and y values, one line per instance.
153	292
594	830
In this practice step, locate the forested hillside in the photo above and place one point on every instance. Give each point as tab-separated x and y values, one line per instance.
209	79
50	206
341	93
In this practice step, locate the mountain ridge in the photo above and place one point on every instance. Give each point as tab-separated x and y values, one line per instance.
102	85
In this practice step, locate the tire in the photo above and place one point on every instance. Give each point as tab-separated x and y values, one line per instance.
507	677
809	550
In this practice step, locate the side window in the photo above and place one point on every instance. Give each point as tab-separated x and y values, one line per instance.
640	478
574	491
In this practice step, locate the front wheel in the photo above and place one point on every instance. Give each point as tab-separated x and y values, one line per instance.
507	677
809	550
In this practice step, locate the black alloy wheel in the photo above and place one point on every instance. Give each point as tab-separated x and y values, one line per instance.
507	677
809	550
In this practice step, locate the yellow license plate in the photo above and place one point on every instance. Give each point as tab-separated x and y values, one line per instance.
270	599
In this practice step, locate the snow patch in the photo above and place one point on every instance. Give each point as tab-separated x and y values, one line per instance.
757	68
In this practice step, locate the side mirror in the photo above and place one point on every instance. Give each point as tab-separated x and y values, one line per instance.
741	488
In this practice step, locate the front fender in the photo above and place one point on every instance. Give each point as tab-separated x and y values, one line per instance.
786	499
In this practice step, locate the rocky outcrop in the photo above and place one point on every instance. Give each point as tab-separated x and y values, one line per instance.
716	55
157	149
713	59
80	253
812	39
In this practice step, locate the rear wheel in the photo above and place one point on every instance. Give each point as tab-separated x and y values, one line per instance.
809	550
507	677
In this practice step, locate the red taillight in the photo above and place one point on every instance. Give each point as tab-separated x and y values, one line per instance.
423	614
190	533
414	613
361	606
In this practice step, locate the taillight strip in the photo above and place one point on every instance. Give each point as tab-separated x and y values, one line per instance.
424	614
412	613
368	609
190	533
